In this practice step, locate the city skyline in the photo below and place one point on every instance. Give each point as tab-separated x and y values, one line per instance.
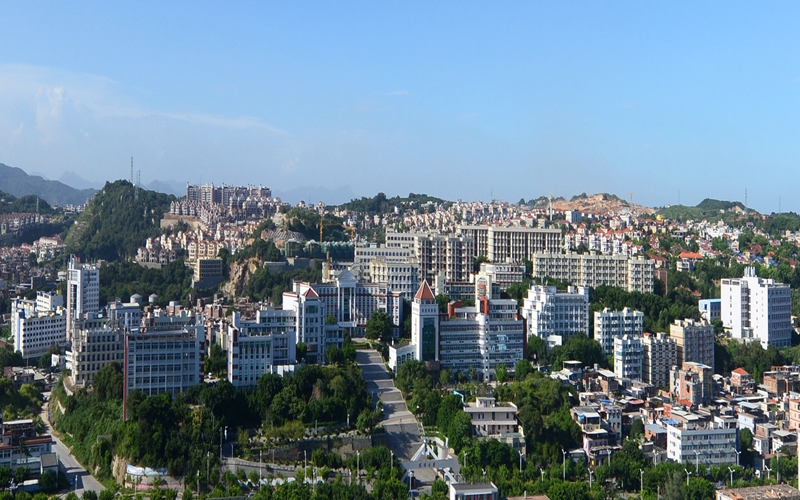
675	103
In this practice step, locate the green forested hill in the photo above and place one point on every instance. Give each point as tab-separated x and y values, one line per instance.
115	223
24	204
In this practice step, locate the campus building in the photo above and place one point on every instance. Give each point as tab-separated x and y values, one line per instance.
36	325
165	354
478	339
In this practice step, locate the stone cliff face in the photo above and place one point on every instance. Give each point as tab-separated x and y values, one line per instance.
239	274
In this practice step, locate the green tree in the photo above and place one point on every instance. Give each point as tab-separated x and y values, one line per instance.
637	429
379	326
334	355
522	369
501	372
301	350
107	494
476	263
108	382
442	301
460	431
48	480
90	495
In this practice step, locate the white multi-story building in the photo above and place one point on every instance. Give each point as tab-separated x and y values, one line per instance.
493	420
83	291
266	345
502	275
555	316
36	325
609	325
400	276
628	357
660	354
634	274
757	309
695	341
165	355
451	255
351	302
714	439
511	243
309	320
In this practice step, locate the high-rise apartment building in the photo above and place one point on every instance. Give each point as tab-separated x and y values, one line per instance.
756	309
83	291
555	316
609	325
634	274
695	341
628	357
659	355
511	243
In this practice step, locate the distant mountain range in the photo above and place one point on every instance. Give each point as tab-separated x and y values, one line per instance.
15	181
172	187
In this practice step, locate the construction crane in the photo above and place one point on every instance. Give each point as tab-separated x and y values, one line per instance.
352	229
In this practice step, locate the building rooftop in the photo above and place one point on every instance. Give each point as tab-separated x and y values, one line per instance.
761	492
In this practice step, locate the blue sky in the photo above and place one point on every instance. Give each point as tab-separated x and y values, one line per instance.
457	99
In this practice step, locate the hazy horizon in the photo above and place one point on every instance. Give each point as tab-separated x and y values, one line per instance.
676	102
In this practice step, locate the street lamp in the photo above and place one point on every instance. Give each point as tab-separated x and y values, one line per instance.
687	476
410	478
305	460
737	455
542	471
564	474
731	476
520	461
641	483
696	462
590	478
358	466
768	471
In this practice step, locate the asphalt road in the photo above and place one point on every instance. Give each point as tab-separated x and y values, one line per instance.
401	426
69	465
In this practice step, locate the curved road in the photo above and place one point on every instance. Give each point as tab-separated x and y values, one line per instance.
69	464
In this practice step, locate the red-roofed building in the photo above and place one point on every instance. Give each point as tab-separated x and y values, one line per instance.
741	381
687	260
